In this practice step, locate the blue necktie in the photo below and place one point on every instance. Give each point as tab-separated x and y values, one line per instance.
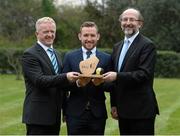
123	53
88	53
53	59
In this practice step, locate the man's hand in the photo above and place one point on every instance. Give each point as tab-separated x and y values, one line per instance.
114	113
110	76
83	81
97	81
72	76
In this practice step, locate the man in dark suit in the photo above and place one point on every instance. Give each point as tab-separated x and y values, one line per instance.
41	68
133	100
85	110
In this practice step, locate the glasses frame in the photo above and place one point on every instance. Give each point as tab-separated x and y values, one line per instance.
129	19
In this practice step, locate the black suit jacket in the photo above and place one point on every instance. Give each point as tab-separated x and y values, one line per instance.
78	98
134	95
43	98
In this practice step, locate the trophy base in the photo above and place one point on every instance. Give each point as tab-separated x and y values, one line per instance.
91	76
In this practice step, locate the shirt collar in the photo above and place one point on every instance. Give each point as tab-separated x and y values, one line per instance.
92	50
43	46
131	39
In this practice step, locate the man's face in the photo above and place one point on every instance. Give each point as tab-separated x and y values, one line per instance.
46	33
130	22
89	37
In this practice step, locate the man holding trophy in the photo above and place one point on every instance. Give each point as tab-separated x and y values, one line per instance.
85	108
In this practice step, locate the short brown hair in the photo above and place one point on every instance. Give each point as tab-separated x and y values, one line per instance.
89	24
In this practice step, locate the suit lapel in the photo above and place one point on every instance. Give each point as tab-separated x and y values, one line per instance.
118	55
130	51
59	61
79	57
44	55
99	56
74	59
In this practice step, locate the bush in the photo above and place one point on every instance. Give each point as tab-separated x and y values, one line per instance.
168	62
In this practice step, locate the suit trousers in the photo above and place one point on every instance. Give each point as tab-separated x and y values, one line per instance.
43	129
136	126
86	124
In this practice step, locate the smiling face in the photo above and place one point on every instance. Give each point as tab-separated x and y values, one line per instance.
130	22
46	32
89	37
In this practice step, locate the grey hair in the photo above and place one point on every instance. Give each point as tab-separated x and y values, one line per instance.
44	20
140	17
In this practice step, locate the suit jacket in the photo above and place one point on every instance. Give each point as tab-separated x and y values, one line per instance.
134	95
79	96
43	98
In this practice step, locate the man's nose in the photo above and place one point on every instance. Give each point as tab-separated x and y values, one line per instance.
50	34
89	38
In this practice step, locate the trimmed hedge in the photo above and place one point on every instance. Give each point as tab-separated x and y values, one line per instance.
168	62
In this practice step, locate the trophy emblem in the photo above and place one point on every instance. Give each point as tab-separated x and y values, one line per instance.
88	67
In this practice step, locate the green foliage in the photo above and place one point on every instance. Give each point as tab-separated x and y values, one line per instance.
11	61
162	25
18	18
4	63
107	21
69	20
168	64
17	25
48	8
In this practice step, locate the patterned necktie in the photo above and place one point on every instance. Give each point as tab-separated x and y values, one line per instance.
123	53
88	53
53	59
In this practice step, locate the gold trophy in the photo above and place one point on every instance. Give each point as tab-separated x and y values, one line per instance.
88	67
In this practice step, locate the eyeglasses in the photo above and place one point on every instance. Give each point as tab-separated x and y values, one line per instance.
130	20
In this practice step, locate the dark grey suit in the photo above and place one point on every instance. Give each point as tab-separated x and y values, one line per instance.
44	95
133	94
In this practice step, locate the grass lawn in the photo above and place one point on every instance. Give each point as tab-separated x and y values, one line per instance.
12	96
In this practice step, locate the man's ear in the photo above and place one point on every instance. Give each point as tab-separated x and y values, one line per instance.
140	24
98	36
36	33
79	36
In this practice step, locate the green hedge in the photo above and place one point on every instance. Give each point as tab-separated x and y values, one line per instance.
168	62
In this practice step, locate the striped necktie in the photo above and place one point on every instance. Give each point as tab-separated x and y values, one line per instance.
123	53
53	60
